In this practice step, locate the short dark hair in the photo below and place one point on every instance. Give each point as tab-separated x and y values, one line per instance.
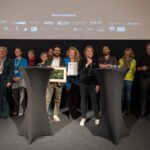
105	46
57	46
19	48
148	43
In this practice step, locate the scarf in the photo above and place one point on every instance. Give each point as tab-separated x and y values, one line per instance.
32	61
127	62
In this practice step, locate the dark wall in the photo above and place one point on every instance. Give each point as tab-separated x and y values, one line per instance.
116	46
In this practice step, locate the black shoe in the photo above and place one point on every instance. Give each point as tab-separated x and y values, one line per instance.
76	114
4	117
142	115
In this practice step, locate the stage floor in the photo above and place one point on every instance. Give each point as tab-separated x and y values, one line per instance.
69	135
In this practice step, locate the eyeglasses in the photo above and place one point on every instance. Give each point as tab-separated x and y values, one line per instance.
2	51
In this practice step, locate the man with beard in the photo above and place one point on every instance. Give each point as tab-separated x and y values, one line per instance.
56	88
107	60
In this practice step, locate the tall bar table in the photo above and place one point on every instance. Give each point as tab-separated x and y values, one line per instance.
111	125
35	122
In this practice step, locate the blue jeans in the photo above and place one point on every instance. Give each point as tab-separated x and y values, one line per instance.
50	110
126	92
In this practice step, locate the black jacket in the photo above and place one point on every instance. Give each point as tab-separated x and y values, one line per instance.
8	71
144	61
87	75
49	62
112	60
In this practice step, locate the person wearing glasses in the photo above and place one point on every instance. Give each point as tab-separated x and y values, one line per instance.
6	76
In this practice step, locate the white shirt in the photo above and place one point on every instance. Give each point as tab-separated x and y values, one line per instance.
2	65
55	62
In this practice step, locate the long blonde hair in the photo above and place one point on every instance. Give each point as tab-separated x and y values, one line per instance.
131	52
127	62
77	54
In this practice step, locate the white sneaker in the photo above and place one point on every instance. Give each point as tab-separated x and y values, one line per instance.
97	121
56	118
82	122
20	113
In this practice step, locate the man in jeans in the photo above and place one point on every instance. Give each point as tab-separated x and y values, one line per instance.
56	88
143	67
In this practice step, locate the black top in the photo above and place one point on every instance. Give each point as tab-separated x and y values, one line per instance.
36	61
87	75
111	60
144	61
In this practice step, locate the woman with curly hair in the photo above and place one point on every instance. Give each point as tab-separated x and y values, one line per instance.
73	55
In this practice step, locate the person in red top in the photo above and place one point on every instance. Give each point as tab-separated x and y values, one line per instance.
32	61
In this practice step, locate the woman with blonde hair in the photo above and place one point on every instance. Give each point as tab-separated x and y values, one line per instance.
88	84
73	55
127	61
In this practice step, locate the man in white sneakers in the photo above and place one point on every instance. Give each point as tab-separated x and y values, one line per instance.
54	88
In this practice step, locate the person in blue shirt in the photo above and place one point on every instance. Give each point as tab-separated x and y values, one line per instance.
73	97
19	87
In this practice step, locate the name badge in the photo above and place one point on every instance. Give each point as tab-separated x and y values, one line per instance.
16	71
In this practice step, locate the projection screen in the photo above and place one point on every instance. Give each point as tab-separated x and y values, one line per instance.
74	19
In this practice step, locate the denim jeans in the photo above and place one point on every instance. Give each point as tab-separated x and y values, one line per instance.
127	89
126	94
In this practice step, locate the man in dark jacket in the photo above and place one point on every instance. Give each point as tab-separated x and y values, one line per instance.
56	88
107	60
6	75
143	67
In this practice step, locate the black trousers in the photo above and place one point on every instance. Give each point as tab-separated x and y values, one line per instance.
4	105
73	98
19	99
86	90
145	95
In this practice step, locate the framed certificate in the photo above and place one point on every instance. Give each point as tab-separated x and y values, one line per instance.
72	69
58	75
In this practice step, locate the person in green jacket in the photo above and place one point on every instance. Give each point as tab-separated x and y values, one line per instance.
127	61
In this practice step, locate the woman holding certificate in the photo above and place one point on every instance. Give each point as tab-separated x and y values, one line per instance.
71	61
88	84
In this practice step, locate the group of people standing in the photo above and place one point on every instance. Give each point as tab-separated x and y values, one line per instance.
81	87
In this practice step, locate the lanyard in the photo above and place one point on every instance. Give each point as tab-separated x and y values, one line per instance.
17	63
